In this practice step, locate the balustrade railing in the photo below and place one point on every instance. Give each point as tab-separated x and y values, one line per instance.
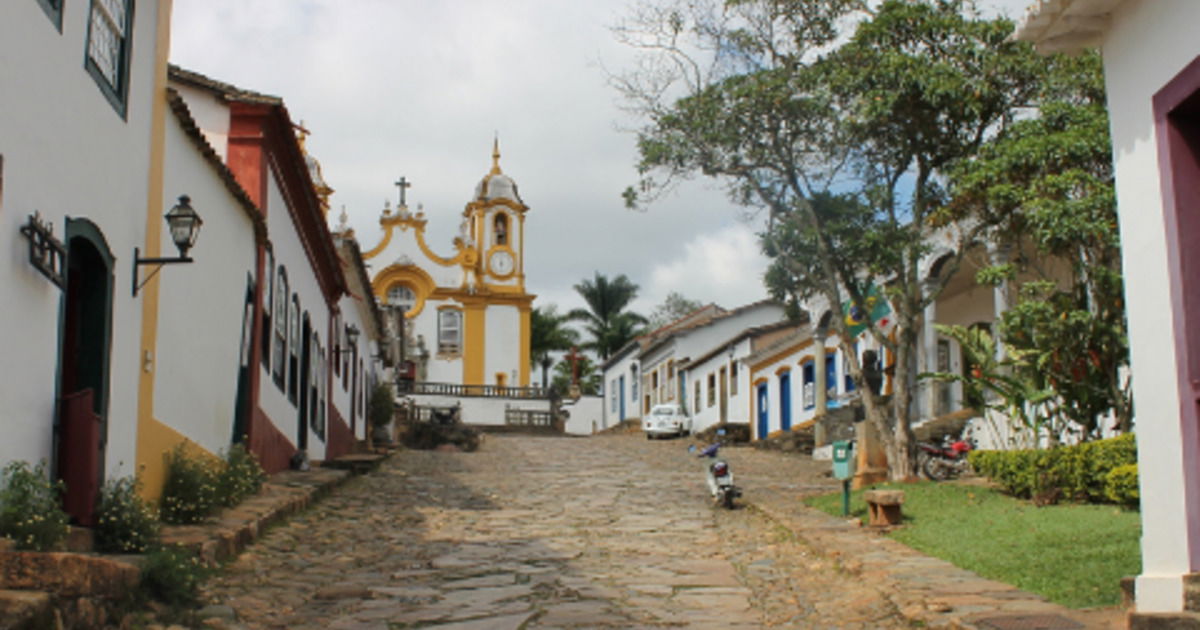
476	391
528	418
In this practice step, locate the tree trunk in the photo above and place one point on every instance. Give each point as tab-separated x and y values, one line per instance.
901	465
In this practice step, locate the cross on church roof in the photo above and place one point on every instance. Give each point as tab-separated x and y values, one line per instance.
403	184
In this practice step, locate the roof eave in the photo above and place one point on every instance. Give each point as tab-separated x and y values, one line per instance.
1066	26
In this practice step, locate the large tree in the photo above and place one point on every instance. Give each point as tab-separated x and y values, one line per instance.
1046	184
549	332
606	319
840	121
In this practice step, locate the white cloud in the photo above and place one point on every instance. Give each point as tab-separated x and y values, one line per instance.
725	267
418	88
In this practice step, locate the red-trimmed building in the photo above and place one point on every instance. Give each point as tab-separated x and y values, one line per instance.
301	338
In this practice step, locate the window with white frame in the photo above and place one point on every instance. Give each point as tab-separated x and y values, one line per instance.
808	376
294	342
268	329
336	343
314	378
279	352
449	331
696	399
108	49
322	390
733	378
671	379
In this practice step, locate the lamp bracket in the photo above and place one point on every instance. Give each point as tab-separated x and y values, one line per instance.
157	262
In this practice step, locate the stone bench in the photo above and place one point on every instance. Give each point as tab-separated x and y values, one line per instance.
883	507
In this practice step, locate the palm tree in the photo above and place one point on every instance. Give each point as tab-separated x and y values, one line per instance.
605	319
549	333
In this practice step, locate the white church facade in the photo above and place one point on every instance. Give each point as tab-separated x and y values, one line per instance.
466	313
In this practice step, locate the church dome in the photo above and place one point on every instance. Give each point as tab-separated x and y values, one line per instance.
496	185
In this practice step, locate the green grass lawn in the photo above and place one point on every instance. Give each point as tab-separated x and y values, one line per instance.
1071	554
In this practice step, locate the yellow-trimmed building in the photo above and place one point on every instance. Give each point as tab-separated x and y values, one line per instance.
466	314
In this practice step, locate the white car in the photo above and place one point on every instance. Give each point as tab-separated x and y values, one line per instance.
666	420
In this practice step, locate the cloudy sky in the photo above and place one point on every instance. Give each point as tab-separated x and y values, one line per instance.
419	88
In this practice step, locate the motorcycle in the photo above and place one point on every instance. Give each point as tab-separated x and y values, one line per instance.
947	461
718	476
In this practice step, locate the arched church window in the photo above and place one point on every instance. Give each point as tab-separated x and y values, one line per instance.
403	296
501	229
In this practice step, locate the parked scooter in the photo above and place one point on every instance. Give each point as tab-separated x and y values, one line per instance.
947	461
719	476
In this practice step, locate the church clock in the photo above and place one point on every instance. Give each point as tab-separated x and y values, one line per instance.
501	262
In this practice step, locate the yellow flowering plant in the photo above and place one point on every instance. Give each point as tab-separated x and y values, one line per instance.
30	512
126	523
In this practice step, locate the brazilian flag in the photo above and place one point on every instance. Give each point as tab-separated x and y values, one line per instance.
876	309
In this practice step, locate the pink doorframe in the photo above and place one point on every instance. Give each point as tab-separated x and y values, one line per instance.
1177	131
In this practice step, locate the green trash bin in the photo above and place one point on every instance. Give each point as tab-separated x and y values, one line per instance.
843	459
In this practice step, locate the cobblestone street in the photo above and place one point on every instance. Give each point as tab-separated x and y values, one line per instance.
604	532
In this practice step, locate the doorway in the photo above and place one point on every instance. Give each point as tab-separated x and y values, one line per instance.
85	341
724	389
785	401
305	361
763	400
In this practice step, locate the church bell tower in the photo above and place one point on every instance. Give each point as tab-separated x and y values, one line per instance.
496	220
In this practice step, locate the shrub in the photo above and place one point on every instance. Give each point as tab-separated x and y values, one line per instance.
1121	485
1077	473
240	477
173	575
381	406
190	493
126	523
30	513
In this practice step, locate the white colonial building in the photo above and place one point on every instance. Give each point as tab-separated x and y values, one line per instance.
1152	68
81	186
654	369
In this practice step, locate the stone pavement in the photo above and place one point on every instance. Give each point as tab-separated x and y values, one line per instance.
927	591
603	532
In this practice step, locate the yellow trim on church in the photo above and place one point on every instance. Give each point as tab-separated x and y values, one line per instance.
411	276
474	342
526	335
417	222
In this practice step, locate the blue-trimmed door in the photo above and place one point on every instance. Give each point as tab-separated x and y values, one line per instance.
621	395
785	401
763	403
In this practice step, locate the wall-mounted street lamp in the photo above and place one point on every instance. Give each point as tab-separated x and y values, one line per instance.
184	224
352	333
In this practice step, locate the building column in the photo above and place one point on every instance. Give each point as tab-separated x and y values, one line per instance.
819	383
999	255
930	338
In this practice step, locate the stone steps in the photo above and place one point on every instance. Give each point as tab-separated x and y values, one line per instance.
233	529
40	590
26	610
